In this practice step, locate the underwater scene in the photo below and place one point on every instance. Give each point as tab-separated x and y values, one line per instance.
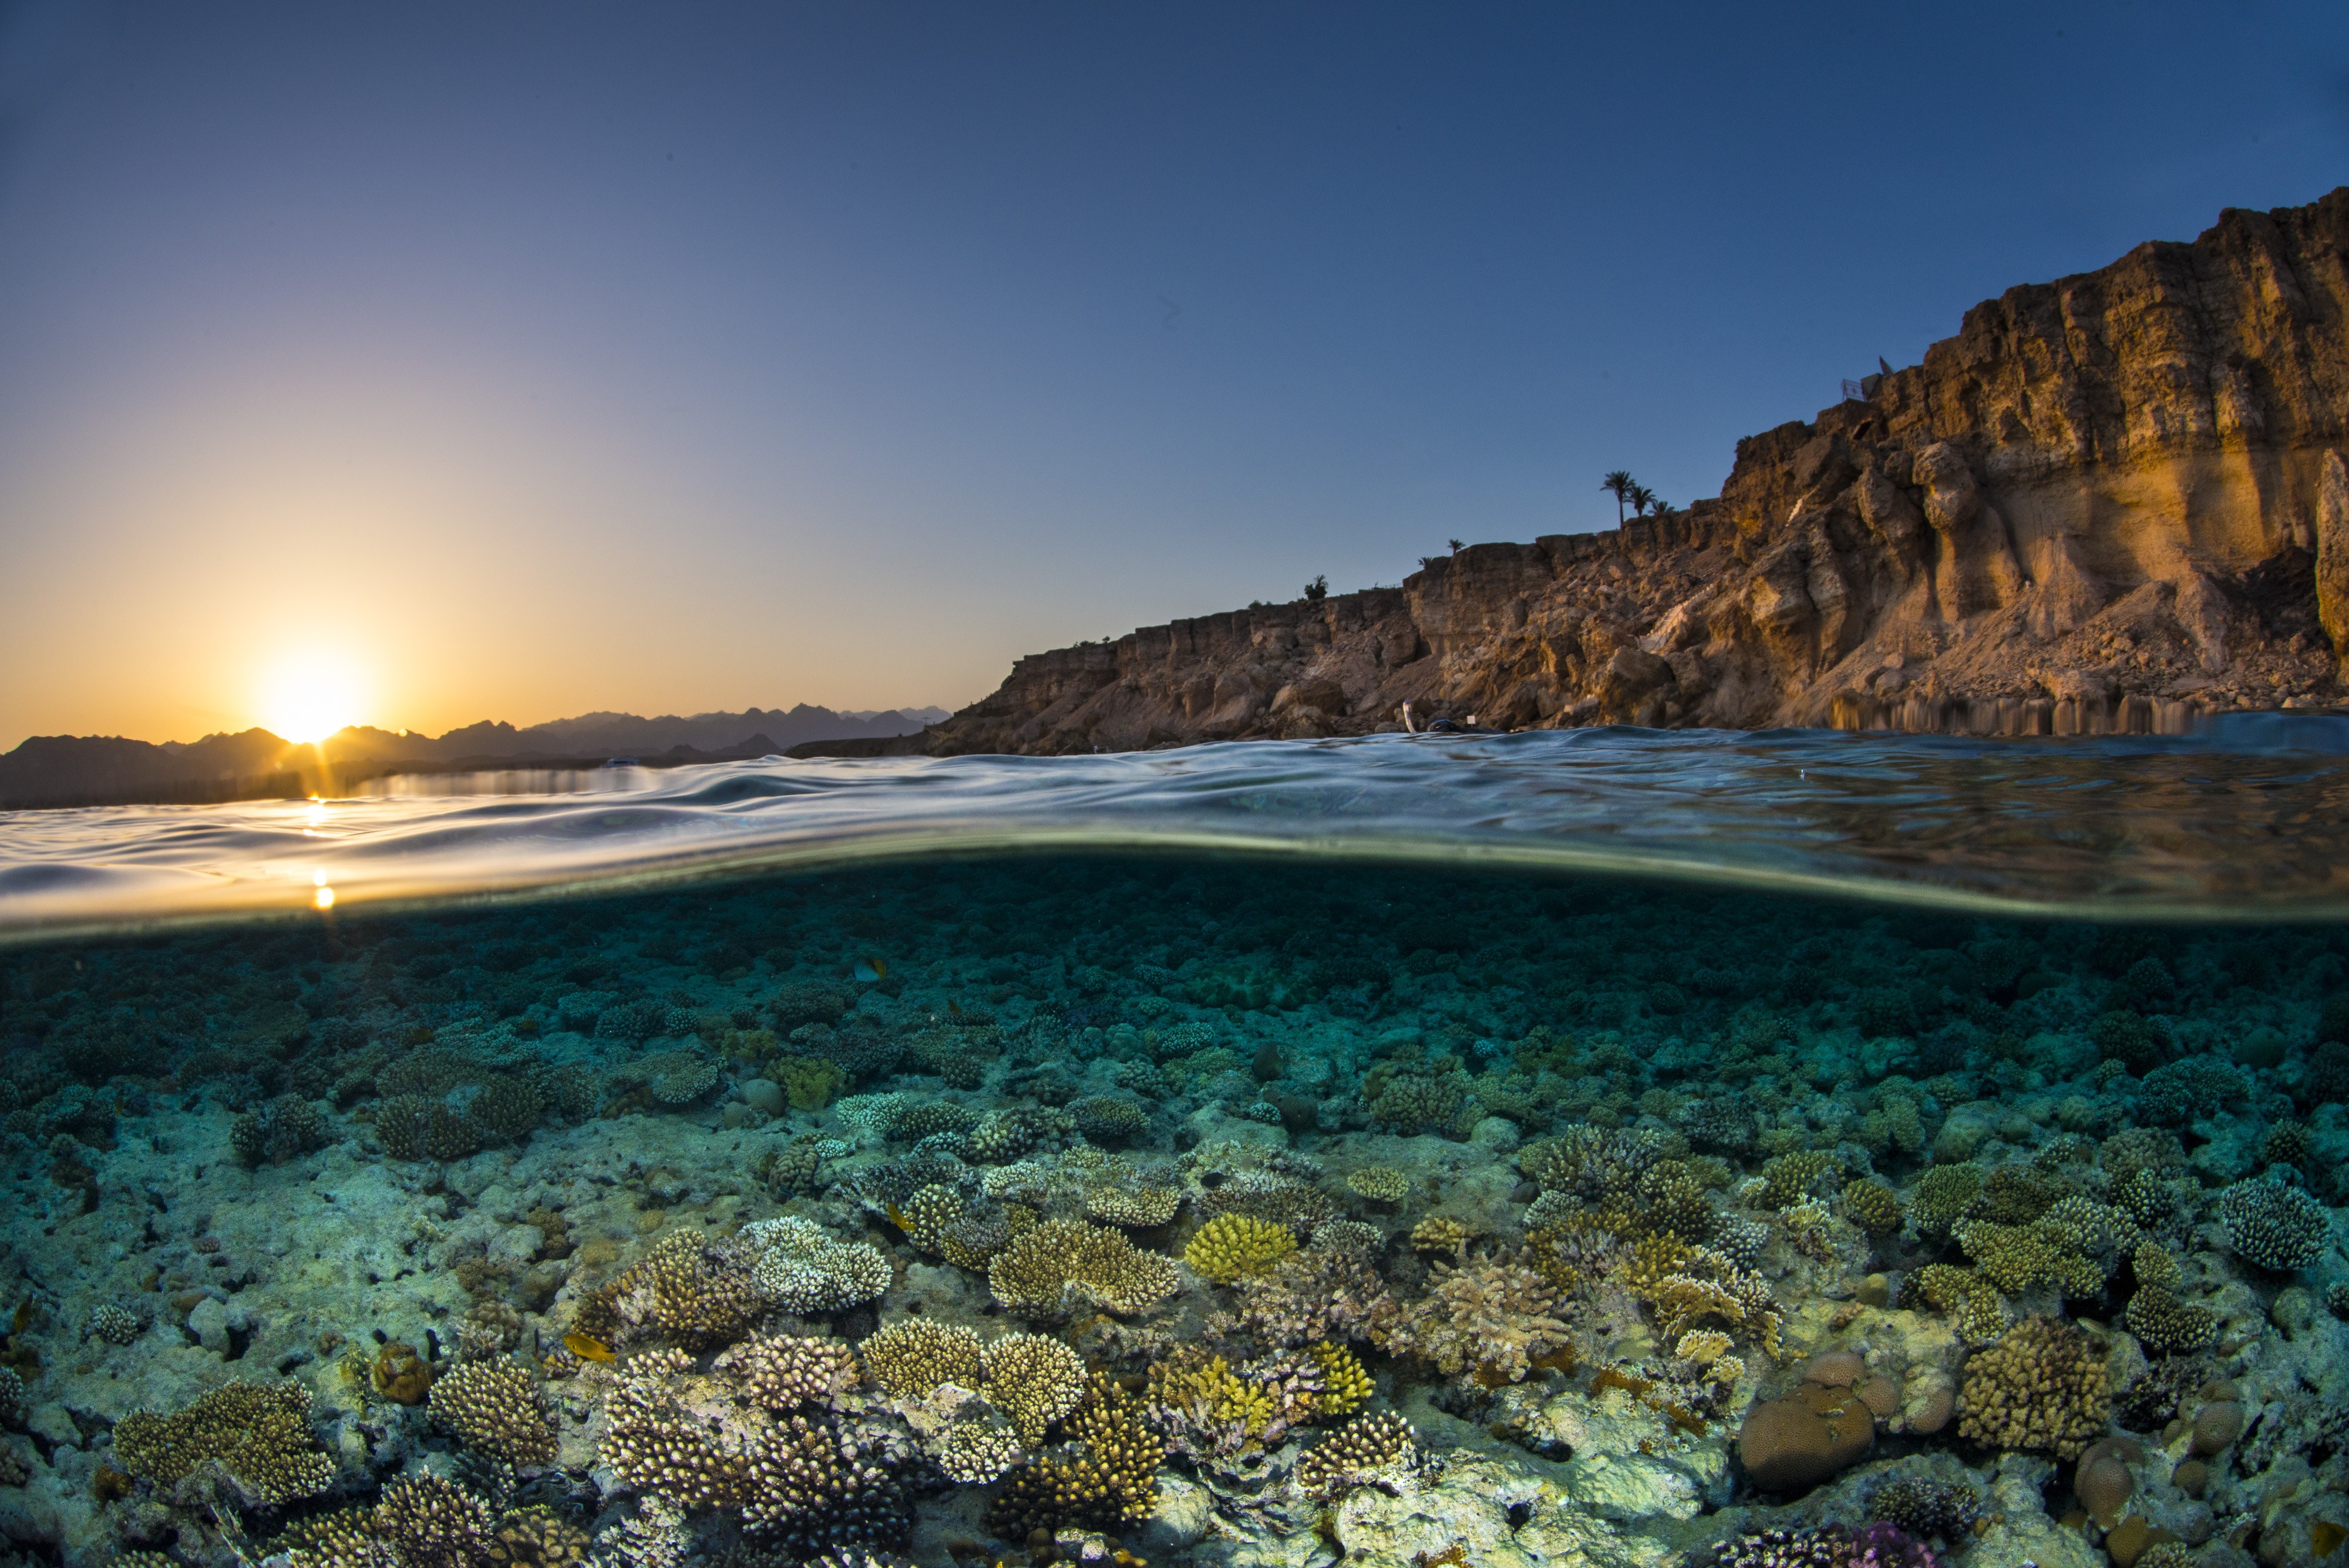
1614	1152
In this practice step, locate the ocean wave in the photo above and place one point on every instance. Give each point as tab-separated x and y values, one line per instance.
2247	819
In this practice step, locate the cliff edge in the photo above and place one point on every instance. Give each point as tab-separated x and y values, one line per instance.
2109	502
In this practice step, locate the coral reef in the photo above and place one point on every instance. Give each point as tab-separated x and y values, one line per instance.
1636	1224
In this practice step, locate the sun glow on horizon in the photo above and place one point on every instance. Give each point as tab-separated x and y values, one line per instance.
309	696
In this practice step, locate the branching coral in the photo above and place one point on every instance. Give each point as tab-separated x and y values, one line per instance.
1943	1196
1107	1476
1487	1319
259	1434
1360	1452
1378	1183
784	1371
798	1268
695	1442
1704	1285
910	1358
1034	1379
2274	1227
2075	1245
1137	1207
2166	1326
1871	1206
2042	1387
494	1408
1804	1173
1976	1306
685	1289
430	1522
1062	1264
1323	1294
1230	1246
1595	1164
276	1132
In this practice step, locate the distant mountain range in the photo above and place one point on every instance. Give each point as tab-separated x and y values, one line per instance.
98	769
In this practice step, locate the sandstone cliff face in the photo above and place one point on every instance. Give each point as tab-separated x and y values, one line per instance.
2108	503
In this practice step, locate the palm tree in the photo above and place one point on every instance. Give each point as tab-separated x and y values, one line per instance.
1642	499
1619	484
1661	508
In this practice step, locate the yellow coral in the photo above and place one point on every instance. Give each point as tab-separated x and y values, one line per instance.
1344	1383
1702	1346
1654	1258
1231	1246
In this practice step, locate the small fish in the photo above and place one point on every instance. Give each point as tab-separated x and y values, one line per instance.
869	970
587	1348
897	1217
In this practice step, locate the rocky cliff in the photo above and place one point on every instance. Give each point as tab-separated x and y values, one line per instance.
2108	503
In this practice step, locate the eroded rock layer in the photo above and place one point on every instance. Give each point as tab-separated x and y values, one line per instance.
2108	503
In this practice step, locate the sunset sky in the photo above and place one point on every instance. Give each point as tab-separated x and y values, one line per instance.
447	362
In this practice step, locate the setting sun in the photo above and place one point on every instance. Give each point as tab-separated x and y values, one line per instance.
309	697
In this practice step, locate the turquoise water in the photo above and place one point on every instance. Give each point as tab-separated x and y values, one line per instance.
1616	1144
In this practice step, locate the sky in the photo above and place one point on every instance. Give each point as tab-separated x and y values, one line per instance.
422	364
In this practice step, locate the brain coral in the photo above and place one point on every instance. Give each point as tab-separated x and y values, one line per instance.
1052	1268
910	1358
259	1433
2042	1387
801	1269
2274	1227
1231	1245
494	1408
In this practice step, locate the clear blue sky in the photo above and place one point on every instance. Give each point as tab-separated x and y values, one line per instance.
516	359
